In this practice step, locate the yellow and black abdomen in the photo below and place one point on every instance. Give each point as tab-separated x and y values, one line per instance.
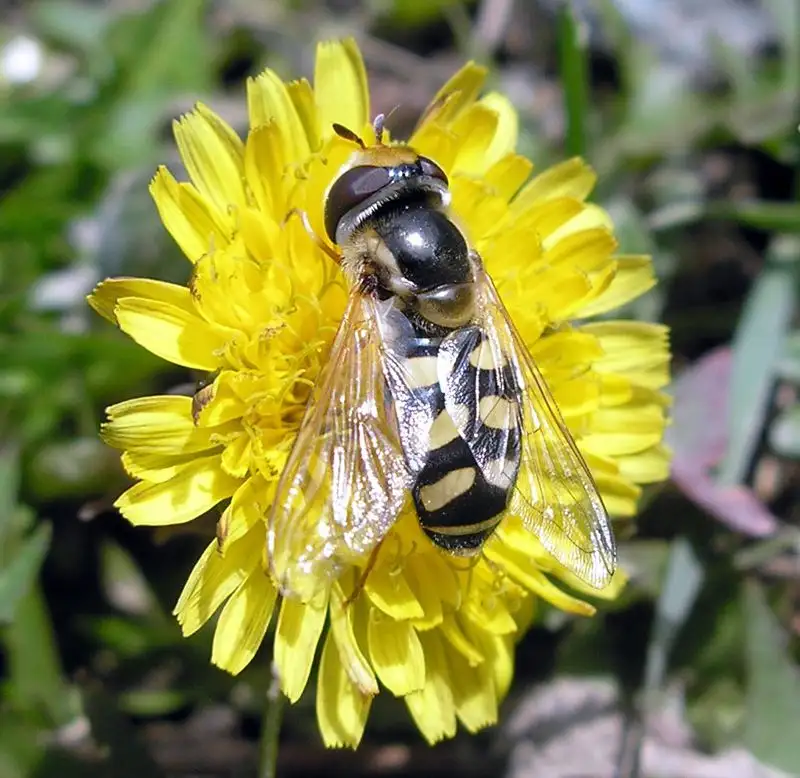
457	507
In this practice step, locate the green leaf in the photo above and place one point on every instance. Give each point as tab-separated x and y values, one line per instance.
757	346
717	713
646	563
789	364
165	50
772	216
9	484
630	228
773	689
784	434
573	60
160	54
17	579
413	13
77	26
153	703
743	77
74	467
786	14
20	745
682	583
35	680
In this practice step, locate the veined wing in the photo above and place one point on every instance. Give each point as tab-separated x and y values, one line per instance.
349	471
506	414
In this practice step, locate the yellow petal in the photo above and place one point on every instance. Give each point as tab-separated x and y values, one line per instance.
142	465
484	604
262	236
265	166
221	401
214	158
342	709
236	456
310	196
388	589
619	495
302	96
247	508
614	389
178	335
633	278
507	128
296	638
196	488
459	92
557	291
473	693
577	396
639	350
396	653
475	130
513	258
452	631
161	424
439	144
610	592
499	650
268	99
194	223
243	623
340	86
646	467
508	174
566	353
478	210
587	249
433	708
107	293
435	584
547	216
591	217
624	429
213	579
572	178
351	653
223	132
222	288
527	572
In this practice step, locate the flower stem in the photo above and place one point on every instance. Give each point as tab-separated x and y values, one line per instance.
271	728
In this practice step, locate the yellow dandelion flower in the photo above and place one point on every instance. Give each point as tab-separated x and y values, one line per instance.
259	316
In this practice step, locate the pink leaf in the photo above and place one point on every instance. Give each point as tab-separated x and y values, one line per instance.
698	437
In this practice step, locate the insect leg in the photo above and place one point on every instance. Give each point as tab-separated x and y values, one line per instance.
332	253
362	581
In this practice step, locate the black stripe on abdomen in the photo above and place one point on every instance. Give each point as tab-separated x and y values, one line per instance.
457	507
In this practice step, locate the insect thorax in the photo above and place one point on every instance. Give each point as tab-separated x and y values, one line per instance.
412	250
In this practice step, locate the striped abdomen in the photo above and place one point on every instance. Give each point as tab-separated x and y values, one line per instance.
457	507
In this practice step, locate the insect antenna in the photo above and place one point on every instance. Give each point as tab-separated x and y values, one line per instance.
348	134
379	124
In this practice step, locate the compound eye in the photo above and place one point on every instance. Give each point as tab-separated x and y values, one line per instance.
430	168
349	190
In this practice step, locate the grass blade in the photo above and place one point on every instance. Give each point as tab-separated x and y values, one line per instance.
574	73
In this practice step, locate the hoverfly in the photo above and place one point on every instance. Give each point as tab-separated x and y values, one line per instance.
430	392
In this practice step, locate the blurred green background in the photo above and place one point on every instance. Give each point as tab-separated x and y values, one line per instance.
690	114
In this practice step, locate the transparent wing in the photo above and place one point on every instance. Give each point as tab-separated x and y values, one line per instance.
506	409
349	471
